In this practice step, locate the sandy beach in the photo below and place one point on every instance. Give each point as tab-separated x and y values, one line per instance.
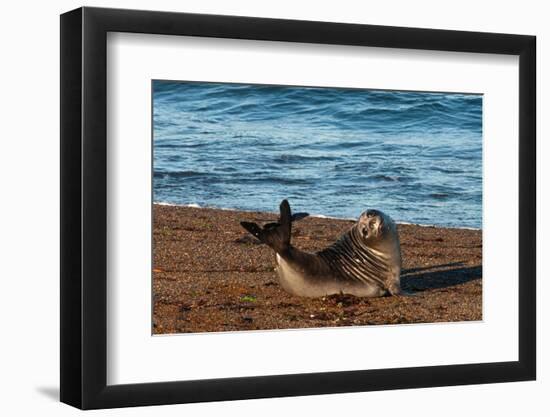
210	275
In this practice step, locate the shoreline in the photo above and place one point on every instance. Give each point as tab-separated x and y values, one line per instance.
319	216
210	275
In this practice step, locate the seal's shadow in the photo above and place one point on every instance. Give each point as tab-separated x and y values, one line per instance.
415	279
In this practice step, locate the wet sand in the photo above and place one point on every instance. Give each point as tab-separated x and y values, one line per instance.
210	275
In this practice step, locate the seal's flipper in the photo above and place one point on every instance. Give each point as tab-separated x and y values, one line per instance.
294	218
275	235
270	226
285	219
299	216
253	228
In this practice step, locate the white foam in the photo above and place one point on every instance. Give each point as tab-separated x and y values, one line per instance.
439	226
322	216
195	205
164	203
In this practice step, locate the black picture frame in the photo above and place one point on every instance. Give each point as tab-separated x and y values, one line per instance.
84	207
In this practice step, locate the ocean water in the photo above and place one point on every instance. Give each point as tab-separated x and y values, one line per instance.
331	151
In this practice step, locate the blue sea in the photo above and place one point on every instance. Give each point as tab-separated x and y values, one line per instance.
331	151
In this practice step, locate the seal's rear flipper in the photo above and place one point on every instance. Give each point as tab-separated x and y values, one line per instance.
253	228
295	217
299	216
275	235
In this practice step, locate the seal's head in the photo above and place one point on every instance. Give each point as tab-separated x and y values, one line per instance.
375	226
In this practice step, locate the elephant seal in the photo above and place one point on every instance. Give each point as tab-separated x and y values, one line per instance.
365	261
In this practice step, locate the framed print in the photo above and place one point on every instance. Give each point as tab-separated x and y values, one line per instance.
256	208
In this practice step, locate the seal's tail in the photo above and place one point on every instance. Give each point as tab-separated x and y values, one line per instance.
276	235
